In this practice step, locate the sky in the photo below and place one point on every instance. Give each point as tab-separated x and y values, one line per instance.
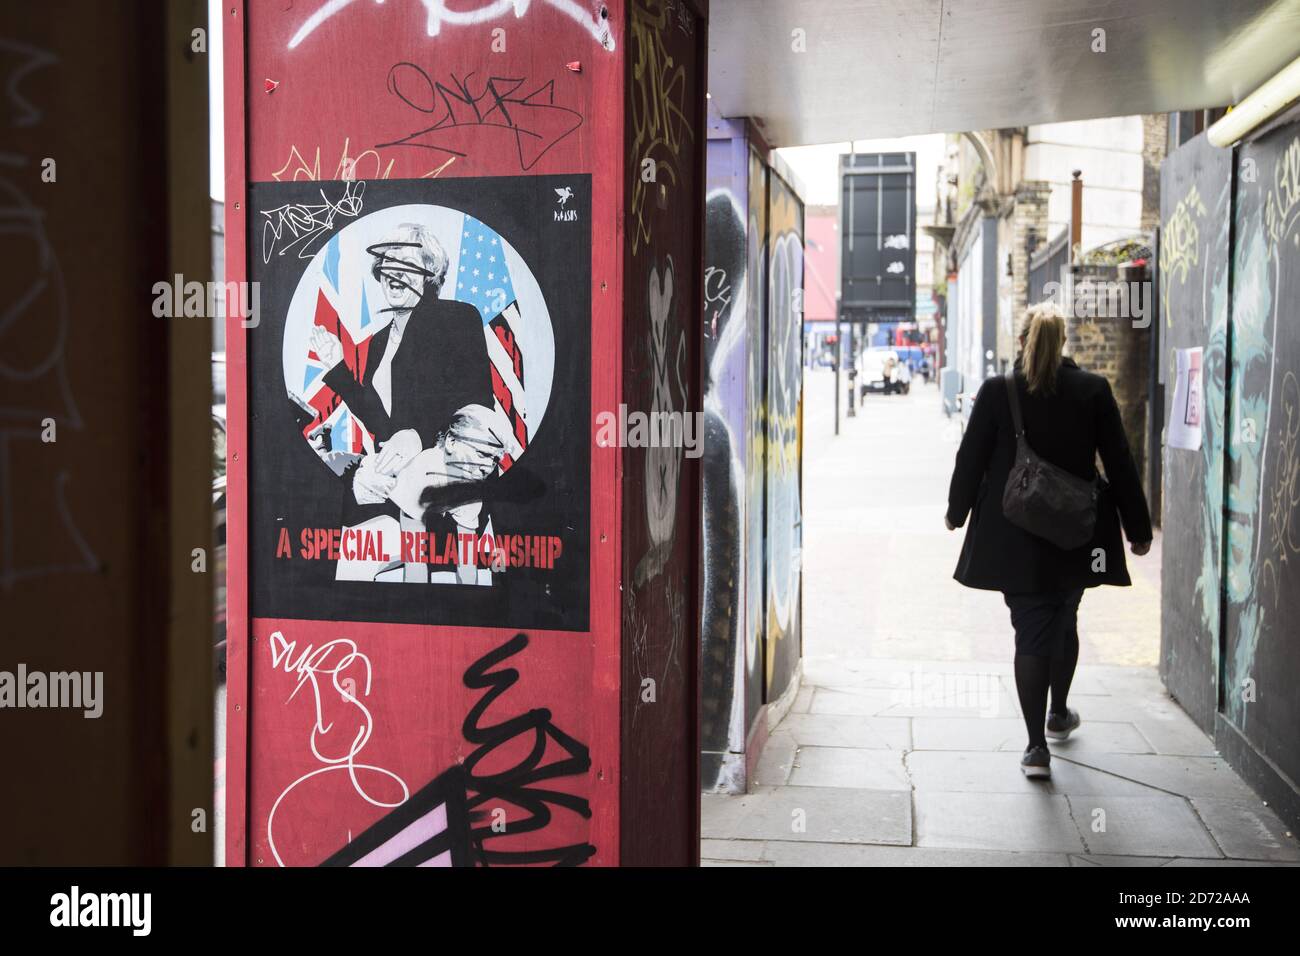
818	166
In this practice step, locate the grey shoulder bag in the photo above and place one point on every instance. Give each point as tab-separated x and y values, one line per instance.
1045	499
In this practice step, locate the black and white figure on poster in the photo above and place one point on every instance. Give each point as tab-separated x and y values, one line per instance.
426	425
427	369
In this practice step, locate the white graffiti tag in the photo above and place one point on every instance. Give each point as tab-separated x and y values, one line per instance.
596	24
348	672
303	227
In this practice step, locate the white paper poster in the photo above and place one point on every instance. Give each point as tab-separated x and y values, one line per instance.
1185	413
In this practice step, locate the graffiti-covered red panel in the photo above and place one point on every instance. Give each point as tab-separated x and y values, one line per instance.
424	592
375	749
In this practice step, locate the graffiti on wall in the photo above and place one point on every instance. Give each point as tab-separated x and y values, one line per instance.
454	112
668	394
1196	206
1236	300
42	537
420	389
491	806
659	130
658	615
756	440
784	412
1280	540
339	678
722	726
594	21
1263	494
367	164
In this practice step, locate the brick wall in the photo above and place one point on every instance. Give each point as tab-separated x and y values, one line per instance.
1029	218
1113	346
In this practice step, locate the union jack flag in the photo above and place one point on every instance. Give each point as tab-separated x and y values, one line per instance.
332	416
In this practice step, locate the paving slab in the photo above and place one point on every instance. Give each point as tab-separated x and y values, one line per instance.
1086	682
1105	707
807	854
1208	862
826	815
968	733
1247	829
964	771
1135	682
839	730
803	699
833	671
1101	859
1112	737
731	849
848	767
1188	776
777	759
996	821
1071	778
856	702
1155	825
952	693
706	862
1179	738
1159	720
1008	733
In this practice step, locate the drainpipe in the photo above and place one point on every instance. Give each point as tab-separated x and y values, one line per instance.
1076	217
1267	101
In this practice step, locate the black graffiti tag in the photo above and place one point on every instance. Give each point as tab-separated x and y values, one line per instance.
533	119
517	784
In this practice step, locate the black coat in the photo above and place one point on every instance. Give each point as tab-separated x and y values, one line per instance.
441	366
1068	428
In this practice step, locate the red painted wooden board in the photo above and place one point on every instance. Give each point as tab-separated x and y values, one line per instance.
665	136
367	747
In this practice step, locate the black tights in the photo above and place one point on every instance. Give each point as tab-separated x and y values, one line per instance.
1047	650
1034	676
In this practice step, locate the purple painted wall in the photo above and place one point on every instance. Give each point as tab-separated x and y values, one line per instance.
739	674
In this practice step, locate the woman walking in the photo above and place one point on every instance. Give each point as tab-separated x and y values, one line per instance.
1068	417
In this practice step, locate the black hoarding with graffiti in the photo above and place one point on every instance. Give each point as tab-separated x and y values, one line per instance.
419	387
1195	211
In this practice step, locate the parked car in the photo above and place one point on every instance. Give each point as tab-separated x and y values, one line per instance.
879	370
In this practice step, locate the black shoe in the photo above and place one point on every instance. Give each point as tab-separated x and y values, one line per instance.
1036	763
1060	726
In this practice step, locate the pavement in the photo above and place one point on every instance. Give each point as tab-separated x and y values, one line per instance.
902	747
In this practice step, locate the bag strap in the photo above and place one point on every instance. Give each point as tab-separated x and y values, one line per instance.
1014	399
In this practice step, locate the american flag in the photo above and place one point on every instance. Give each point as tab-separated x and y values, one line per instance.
483	280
